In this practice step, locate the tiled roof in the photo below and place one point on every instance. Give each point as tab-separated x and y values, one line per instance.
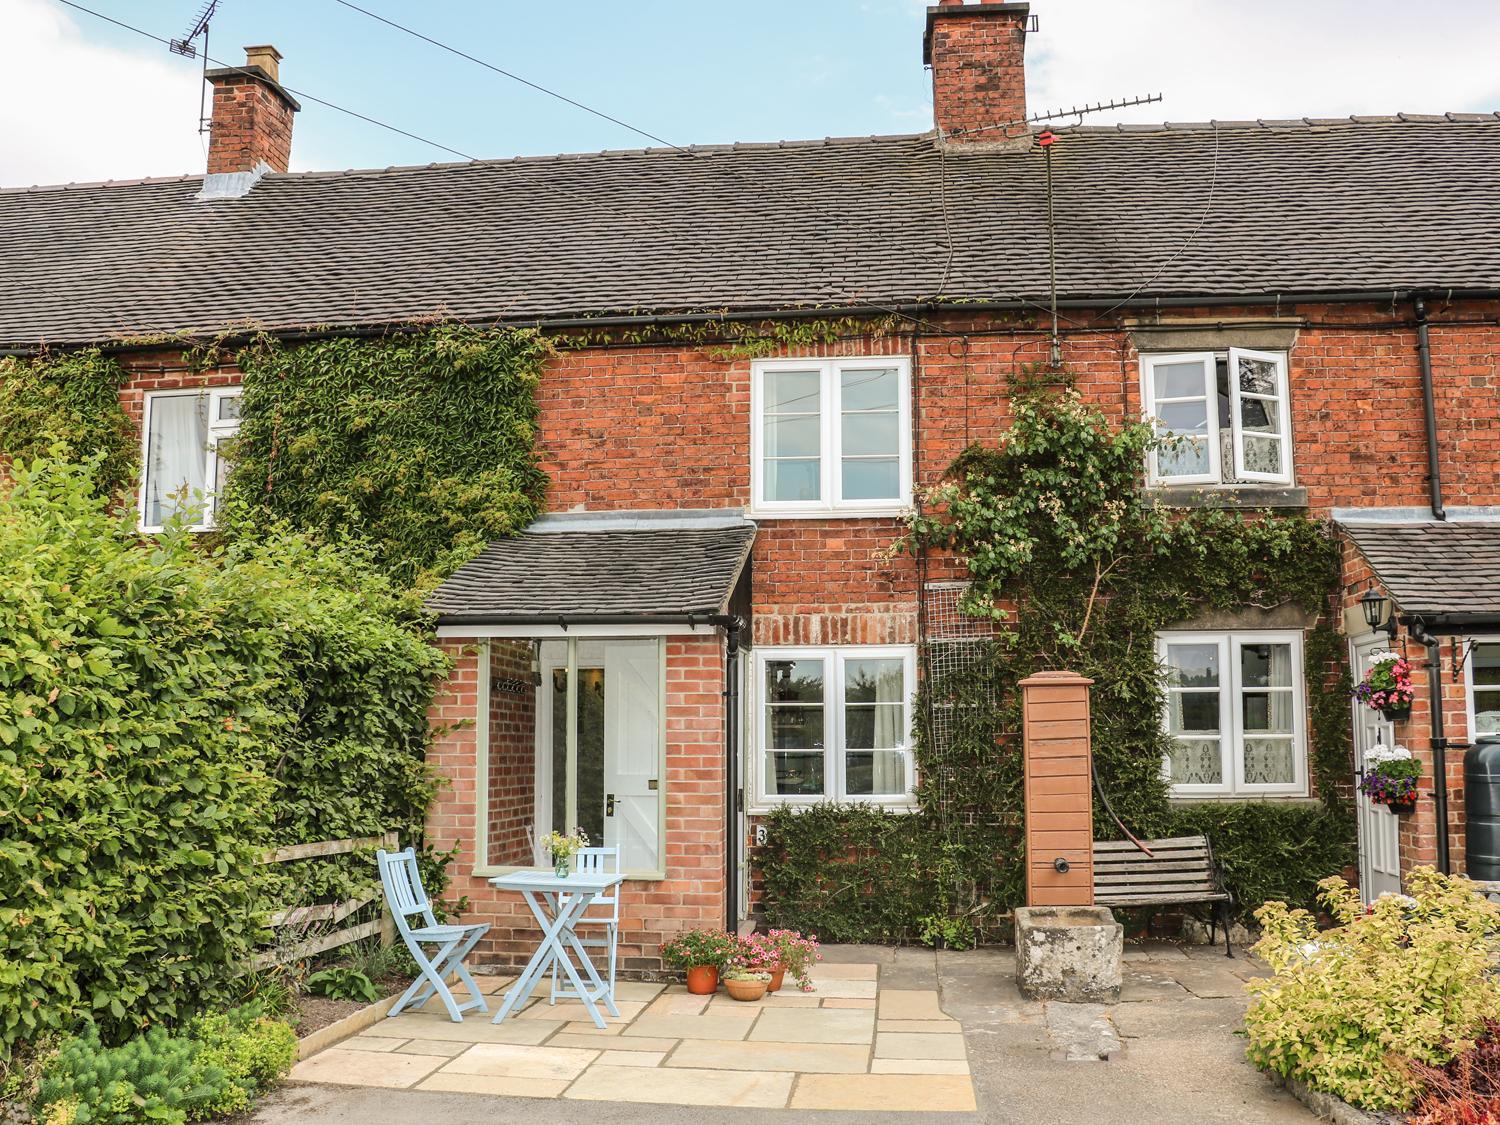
577	568
1226	209
1434	567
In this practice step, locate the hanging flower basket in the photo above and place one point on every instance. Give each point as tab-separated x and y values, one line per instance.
1390	778
1387	686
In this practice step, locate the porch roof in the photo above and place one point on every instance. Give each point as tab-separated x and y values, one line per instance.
602	567
1434	568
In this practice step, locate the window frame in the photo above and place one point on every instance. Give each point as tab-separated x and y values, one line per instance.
830	442
1215	476
835	658
1469	685
217	432
1231	732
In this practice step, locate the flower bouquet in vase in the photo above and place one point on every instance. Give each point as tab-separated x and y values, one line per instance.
1390	778
563	847
1387	686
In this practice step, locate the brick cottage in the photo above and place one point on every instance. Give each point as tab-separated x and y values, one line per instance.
709	625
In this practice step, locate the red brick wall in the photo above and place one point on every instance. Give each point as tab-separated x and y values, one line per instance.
978	71
512	752
691	895
251	123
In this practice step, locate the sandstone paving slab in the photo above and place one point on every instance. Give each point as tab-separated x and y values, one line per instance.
904	1045
1210	984
1150	986
938	1093
814	1025
368	1042
845	989
814	1058
683	1087
786	998
910	1004
637	990
676	1002
498	1085
366	1068
864	1003
834	970
624	1043
479	1029
490	984
572	1011
433	1047
930	1027
723	1024
631	1058
610	1028
919	1066
515	1060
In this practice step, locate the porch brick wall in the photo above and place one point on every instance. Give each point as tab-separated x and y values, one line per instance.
512	752
692	894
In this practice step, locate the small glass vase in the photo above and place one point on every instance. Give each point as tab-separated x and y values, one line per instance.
560	866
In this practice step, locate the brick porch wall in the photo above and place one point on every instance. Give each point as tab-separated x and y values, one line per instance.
512	780
692	894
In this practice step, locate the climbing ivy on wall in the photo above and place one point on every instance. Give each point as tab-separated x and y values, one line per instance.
421	443
68	404
1078	568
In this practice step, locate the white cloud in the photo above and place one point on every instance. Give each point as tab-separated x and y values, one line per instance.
1270	58
73	110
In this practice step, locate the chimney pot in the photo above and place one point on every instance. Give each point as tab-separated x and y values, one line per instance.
977	53
252	115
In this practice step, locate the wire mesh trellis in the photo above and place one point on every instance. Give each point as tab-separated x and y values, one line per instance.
956	642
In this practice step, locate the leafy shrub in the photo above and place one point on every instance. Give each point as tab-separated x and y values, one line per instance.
69	402
341	983
1467	1090
214	1067
1349	1010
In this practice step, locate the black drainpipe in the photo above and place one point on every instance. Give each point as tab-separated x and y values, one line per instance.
731	772
1439	739
1429	410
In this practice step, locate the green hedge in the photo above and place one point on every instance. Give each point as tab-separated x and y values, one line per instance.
166	714
69	402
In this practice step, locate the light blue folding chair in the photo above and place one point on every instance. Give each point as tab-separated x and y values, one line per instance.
603	911
405	897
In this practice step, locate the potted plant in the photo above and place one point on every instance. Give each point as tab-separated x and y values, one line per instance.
1387	686
701	954
760	952
783	951
563	848
746	984
1390	778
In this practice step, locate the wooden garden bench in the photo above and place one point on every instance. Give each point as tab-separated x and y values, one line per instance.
1179	871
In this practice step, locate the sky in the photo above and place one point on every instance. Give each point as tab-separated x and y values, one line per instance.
83	100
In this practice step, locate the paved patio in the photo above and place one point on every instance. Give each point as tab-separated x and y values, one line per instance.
903	1036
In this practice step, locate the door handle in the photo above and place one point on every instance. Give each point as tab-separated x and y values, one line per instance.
609	804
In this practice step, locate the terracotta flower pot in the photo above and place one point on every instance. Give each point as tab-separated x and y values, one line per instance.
703	980
746	989
777	972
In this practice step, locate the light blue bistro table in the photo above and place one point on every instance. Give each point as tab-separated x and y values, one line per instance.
557	904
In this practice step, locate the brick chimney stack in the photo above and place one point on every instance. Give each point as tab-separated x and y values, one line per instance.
978	57
252	115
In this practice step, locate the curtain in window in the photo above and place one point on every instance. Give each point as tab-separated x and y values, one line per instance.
176	454
1266	704
874	727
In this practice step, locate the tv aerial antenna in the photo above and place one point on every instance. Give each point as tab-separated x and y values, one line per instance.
186	47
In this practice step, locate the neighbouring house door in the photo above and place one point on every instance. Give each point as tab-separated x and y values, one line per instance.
599	747
1379	854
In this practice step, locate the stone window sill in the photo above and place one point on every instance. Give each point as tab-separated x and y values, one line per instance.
1189	496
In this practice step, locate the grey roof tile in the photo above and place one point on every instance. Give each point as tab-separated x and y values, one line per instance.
601	569
1434	567
1297	207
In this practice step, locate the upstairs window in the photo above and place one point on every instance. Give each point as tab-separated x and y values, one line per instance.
1228	413
1234	713
183	470
830	436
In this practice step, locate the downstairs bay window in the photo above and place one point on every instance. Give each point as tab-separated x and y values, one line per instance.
834	724
1234	710
1225	416
182	470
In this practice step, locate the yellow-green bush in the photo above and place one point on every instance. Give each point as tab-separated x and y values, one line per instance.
1349	1008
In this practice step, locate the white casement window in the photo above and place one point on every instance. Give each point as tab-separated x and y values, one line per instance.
834	724
830	436
180	439
1234	710
1484	687
1226	416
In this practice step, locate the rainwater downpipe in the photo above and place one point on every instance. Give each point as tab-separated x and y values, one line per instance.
1438	738
732	769
1429	413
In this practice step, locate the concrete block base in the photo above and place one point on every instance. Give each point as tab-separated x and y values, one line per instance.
1069	953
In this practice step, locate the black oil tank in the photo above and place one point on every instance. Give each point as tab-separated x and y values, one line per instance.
1482	808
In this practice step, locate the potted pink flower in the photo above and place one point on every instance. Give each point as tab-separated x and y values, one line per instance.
780	952
1387	686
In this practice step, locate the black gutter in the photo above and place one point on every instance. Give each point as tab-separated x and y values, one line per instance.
1429	413
731	776
1438	738
913	308
564	620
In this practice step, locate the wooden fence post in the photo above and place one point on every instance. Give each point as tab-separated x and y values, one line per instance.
1057	754
390	843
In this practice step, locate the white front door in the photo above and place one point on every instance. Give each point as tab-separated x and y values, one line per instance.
607	780
1379	852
